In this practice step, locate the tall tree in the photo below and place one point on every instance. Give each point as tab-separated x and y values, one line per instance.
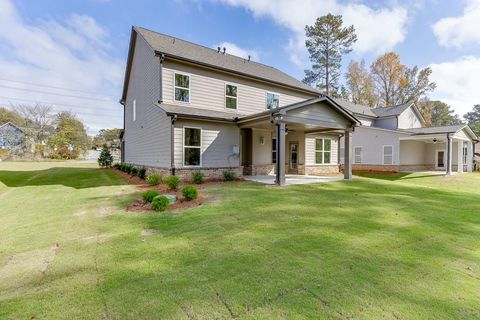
387	71
473	118
360	84
38	119
12	116
107	136
327	41
69	130
414	85
438	113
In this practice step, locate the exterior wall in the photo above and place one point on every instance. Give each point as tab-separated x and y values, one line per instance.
409	119
366	122
375	168
310	150
218	140
209	173
147	139
319	113
322	170
412	153
262	153
388	123
207	90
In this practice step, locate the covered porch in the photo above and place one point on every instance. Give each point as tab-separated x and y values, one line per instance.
298	139
443	152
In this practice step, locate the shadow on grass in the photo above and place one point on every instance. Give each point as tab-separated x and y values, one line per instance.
77	178
397	176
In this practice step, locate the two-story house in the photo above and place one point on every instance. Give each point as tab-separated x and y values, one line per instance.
189	107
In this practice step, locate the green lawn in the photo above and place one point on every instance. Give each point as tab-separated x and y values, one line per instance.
378	247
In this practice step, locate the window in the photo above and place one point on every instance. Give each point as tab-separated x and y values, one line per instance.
230	96
323	151
387	154
192	144
134	112
465	153
274	150
182	87
273	100
357	155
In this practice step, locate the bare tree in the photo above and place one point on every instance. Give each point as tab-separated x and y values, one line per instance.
38	119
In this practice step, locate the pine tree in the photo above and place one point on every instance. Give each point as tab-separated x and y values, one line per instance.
105	159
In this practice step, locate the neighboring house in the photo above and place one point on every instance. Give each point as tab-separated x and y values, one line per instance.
394	139
188	108
12	137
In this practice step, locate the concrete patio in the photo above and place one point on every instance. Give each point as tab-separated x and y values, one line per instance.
292	179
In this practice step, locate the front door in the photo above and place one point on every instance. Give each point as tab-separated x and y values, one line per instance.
440	159
293	166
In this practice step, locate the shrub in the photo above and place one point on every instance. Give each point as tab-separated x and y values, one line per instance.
197	177
117	165
134	171
128	168
190	193
142	172
154	179
160	203
172	182
105	159
149	195
229	175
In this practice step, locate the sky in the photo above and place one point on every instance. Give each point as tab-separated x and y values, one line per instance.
72	54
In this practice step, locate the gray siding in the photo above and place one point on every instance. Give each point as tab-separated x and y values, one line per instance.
388	123
218	140
413	153
321	114
409	119
207	90
147	139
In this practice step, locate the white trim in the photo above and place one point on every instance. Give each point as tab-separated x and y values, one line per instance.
361	155
323	151
444	159
383	154
266	99
200	147
134	110
225	96
189	87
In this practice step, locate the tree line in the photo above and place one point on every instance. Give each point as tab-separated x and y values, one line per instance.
386	82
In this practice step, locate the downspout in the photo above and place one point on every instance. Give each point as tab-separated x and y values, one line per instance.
172	153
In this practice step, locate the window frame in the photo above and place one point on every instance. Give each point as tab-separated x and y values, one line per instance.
323	151
266	99
134	110
227	96
189	87
274	144
383	155
361	155
196	147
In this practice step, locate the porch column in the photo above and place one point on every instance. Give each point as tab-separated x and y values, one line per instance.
460	156
449	155
280	179
470	147
347	167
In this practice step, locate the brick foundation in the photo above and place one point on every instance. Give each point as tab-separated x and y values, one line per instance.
262	170
417	167
322	170
375	168
209	173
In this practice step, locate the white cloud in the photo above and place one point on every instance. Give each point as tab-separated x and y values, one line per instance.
462	30
378	30
232	48
457	83
69	54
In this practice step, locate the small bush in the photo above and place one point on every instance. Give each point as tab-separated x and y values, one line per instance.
229	176
154	179
142	172
116	165
134	171
172	182
197	177
128	168
160	203
149	195
105	159
190	193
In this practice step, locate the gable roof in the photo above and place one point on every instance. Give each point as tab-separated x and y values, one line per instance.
13	125
443	129
175	48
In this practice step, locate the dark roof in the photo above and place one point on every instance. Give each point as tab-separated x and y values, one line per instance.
391	111
185	50
434	130
197	113
355	108
374	112
13	125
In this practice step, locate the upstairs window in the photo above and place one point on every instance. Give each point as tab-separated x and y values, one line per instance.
387	155
323	151
182	87
274	150
192	145
230	96
357	155
273	100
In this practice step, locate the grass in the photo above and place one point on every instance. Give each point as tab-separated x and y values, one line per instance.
378	247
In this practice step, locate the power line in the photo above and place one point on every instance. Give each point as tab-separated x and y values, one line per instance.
55	94
49	86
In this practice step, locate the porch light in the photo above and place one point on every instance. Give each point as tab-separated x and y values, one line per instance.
262	140
434	140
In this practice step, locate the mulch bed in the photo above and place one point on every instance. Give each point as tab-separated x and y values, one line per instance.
180	205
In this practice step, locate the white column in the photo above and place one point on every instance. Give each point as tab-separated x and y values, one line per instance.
460	155
469	156
449	155
347	160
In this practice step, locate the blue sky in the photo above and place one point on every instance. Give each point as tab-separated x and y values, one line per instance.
72	53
